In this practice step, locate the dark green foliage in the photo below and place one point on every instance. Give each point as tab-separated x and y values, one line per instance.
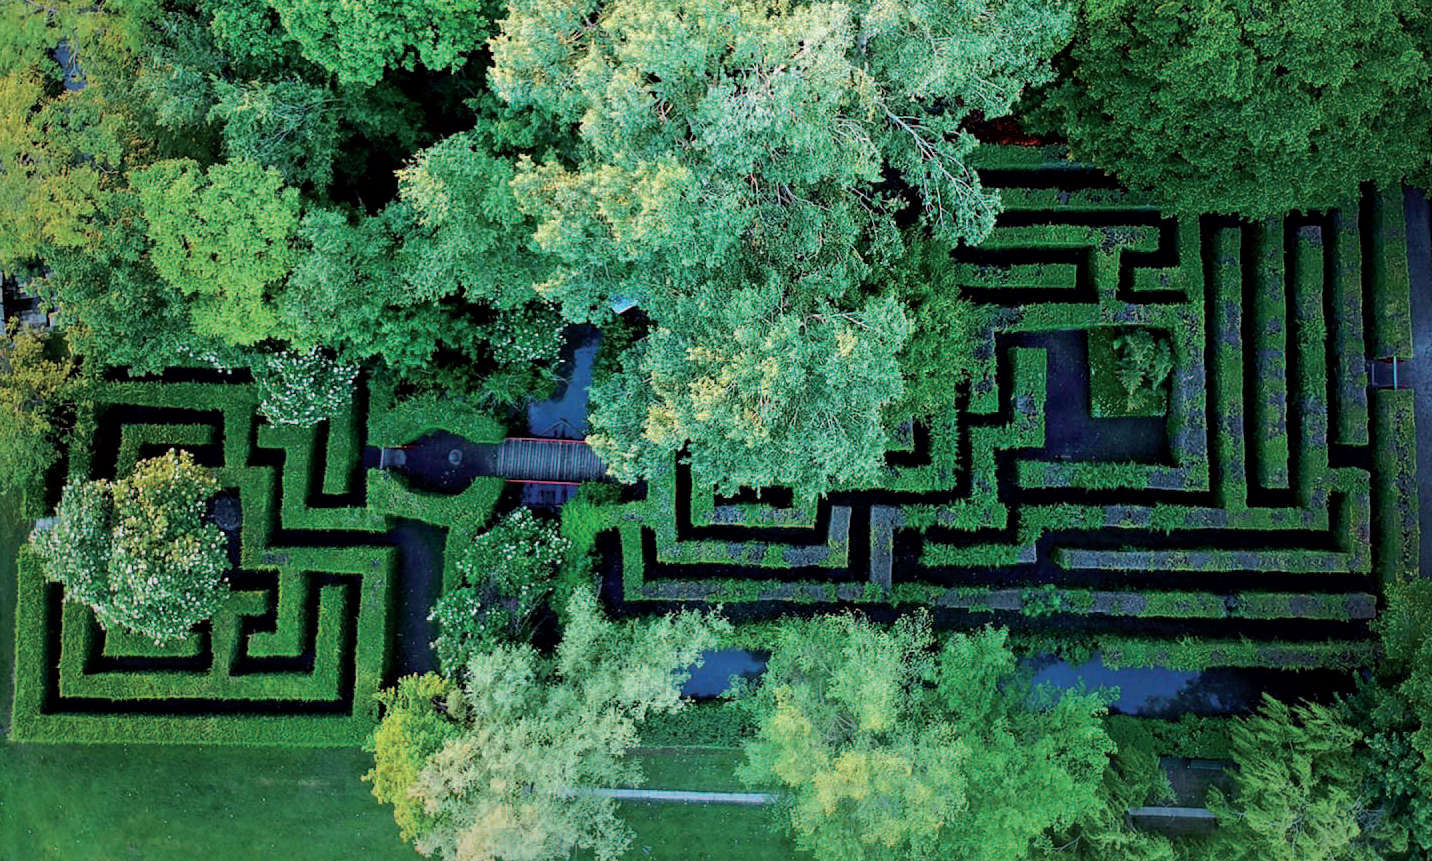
1252	108
506	578
1128	372
287	125
945	331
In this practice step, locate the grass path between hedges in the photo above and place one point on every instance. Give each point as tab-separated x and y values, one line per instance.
190	803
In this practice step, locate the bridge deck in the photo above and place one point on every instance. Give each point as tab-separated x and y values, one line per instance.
525	459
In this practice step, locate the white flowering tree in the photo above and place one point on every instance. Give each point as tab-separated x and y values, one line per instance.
138	550
506	575
297	388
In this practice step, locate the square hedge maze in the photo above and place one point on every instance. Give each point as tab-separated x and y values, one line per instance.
310	630
1255	521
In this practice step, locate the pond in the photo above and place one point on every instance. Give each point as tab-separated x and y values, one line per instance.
564	415
1164	693
720	669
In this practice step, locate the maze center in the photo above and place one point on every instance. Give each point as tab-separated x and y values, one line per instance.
1252	516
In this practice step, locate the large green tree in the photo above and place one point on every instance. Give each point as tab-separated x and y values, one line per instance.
739	143
528	737
1254	107
223	237
139	550
765	396
890	748
741	170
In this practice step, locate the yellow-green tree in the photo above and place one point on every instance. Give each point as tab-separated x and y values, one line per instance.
892	748
223	237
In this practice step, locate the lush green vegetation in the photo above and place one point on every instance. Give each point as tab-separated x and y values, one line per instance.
868	350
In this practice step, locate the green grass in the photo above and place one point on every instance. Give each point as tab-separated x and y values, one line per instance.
183	803
703	769
705	832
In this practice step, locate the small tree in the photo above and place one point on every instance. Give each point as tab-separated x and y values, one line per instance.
508	761
303	388
37	395
890	749
506	574
137	550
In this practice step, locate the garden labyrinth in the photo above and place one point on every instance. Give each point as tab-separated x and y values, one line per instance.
1250	523
325	575
1250	520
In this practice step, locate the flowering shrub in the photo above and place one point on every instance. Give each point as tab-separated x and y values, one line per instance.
303	388
138	551
529	334
506	575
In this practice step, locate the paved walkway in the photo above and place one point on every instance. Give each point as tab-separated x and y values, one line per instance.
1419	372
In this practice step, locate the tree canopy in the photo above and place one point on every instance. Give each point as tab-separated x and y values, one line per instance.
735	144
1253	108
892	749
138	550
223	237
504	771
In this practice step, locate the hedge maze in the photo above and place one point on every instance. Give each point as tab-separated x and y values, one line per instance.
308	633
1251	523
1247	515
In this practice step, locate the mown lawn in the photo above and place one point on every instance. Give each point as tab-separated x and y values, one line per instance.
188	803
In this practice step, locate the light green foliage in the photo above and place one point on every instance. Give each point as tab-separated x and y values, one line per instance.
744	143
37	399
138	551
765	396
59	159
223	238
341	289
535	733
411	731
468	234
506	573
357	41
1255	107
891	750
1297	789
302	388
289	126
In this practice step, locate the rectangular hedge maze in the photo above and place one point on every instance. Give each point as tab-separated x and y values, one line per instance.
310	630
1250	523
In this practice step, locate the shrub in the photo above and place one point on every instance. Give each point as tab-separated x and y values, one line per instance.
138	551
303	388
506	575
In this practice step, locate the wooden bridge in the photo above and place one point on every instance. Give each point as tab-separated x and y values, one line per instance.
554	461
